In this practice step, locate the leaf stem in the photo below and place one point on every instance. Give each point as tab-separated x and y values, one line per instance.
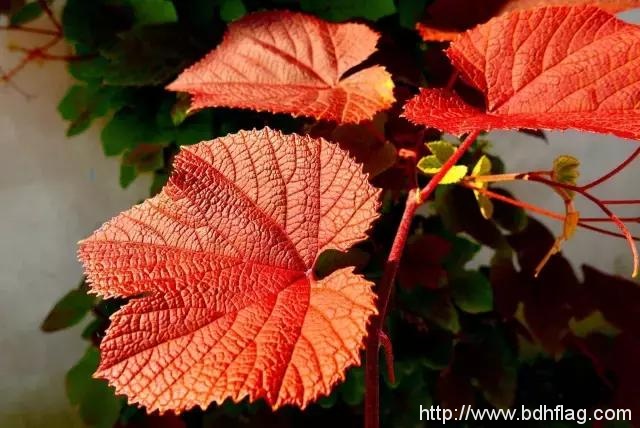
414	199
613	172
29	30
525	205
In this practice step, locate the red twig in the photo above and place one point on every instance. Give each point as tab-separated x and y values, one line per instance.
30	56
613	172
606	232
47	10
614	218
621	202
388	356
372	368
30	30
607	219
525	205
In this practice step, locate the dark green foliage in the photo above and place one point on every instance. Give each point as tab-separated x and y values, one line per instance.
489	336
69	310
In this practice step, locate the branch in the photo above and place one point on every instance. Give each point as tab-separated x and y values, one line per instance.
45	7
614	218
414	199
29	30
613	172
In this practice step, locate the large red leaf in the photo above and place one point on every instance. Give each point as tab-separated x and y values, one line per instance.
442	24
548	68
291	63
219	269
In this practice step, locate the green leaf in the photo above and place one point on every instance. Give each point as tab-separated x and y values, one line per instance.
431	165
81	105
78	380
471	291
69	311
485	204
458	210
27	13
130	127
148	12
128	174
180	109
159	180
352	390
410	12
90	69
195	129
91	329
341	10
482	167
512	218
566	169
98	405
122	132
149	56
442	150
230	10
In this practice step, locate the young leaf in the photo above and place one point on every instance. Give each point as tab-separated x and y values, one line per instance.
566	169
68	311
291	63
471	291
27	13
483	167
98	405
340	10
543	68
441	152
442	25
219	269
230	10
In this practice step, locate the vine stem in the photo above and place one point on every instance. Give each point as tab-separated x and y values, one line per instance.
415	198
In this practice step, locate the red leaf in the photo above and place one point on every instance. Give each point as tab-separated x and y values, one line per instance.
548	68
442	25
291	63
219	266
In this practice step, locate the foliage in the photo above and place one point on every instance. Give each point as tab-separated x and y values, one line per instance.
507	334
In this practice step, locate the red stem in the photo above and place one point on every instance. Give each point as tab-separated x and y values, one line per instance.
606	232
607	219
614	218
372	368
45	6
521	204
613	172
388	356
30	30
621	202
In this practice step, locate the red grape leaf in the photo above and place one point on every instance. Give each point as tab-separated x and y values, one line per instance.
441	25
293	63
219	269
547	68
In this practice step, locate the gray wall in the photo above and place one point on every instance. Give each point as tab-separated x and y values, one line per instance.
54	191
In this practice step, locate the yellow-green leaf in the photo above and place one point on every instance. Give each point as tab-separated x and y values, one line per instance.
482	167
566	169
442	150
429	164
485	204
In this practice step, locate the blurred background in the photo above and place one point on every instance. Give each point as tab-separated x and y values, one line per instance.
55	190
